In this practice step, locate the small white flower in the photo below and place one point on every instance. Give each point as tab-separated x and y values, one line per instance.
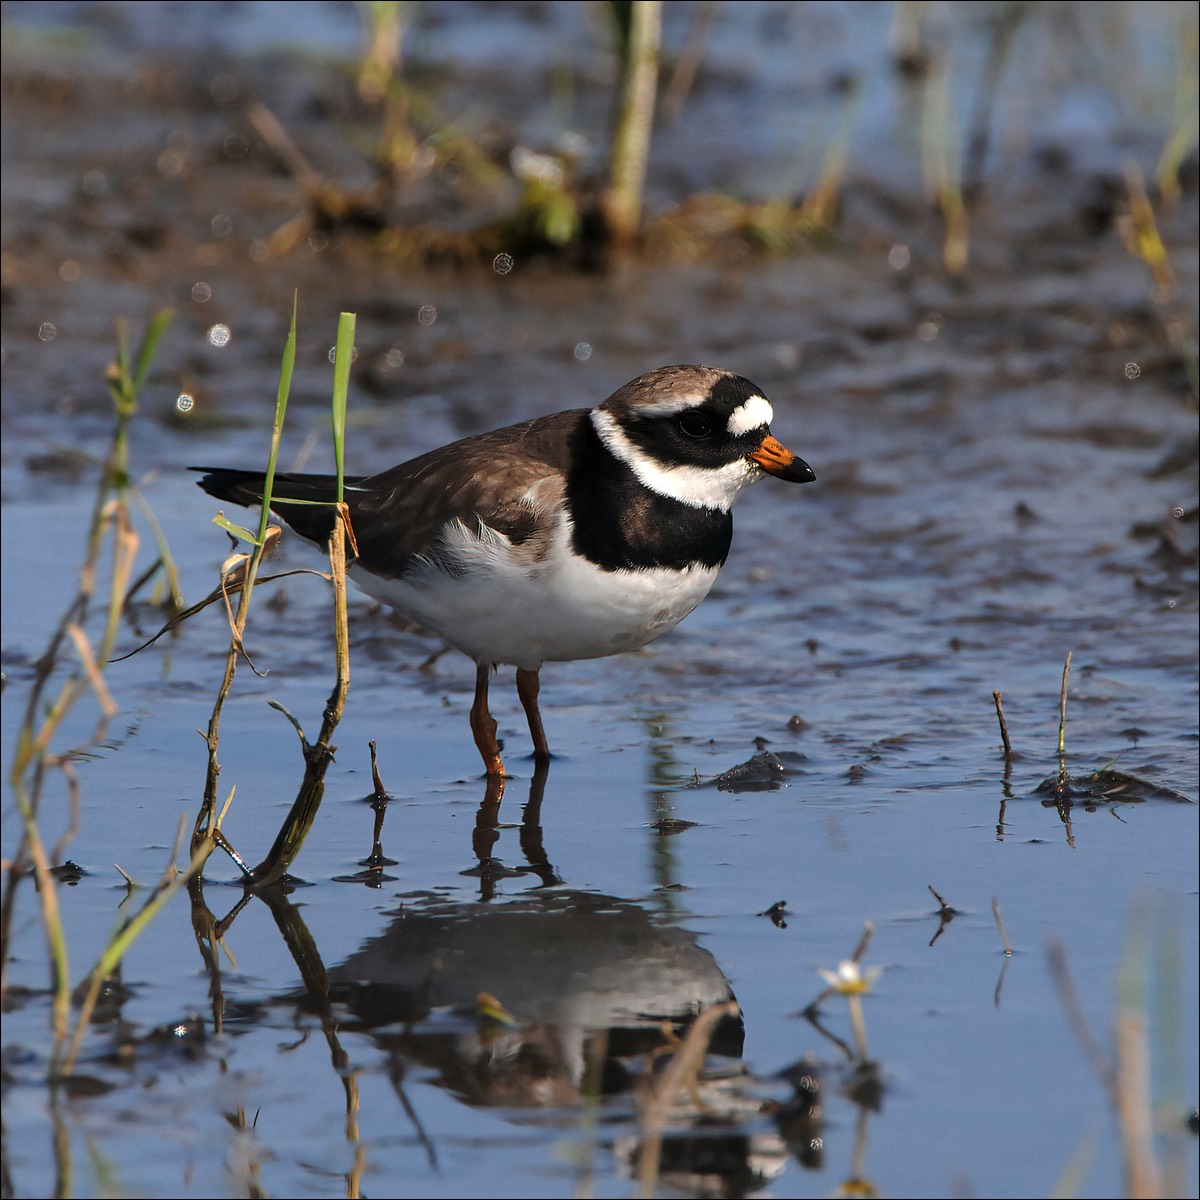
850	979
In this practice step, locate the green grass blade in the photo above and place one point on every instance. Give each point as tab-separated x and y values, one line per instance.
343	355
145	355
286	369
238	531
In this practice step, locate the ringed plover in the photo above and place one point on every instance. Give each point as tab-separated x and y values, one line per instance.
576	535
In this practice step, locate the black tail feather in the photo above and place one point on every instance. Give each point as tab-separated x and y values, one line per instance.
313	520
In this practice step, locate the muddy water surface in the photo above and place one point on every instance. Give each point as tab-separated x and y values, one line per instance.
1006	472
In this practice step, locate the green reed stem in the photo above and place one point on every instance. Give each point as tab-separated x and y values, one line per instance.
318	755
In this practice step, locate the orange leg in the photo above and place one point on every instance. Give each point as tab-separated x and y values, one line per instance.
483	724
529	683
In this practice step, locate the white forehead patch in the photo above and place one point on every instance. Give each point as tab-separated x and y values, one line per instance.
752	413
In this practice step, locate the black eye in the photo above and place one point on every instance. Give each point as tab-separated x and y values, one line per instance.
695	424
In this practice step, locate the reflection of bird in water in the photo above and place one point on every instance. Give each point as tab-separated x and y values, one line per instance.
569	966
537	1004
577	535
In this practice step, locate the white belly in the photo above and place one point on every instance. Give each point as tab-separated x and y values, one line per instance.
510	609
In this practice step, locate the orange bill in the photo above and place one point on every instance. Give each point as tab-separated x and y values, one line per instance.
776	459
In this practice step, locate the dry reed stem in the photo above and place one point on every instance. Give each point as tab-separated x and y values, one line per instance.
1003	726
108	706
1132	1100
1126	1076
242	569
681	1074
109	514
1062	706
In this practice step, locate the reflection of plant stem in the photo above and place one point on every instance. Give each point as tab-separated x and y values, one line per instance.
858	1025
1008	950
32	848
63	1173
858	1184
307	956
208	937
170	883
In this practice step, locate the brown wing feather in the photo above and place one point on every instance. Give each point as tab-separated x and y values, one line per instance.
399	514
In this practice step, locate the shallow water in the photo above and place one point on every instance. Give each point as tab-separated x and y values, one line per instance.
1006	472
